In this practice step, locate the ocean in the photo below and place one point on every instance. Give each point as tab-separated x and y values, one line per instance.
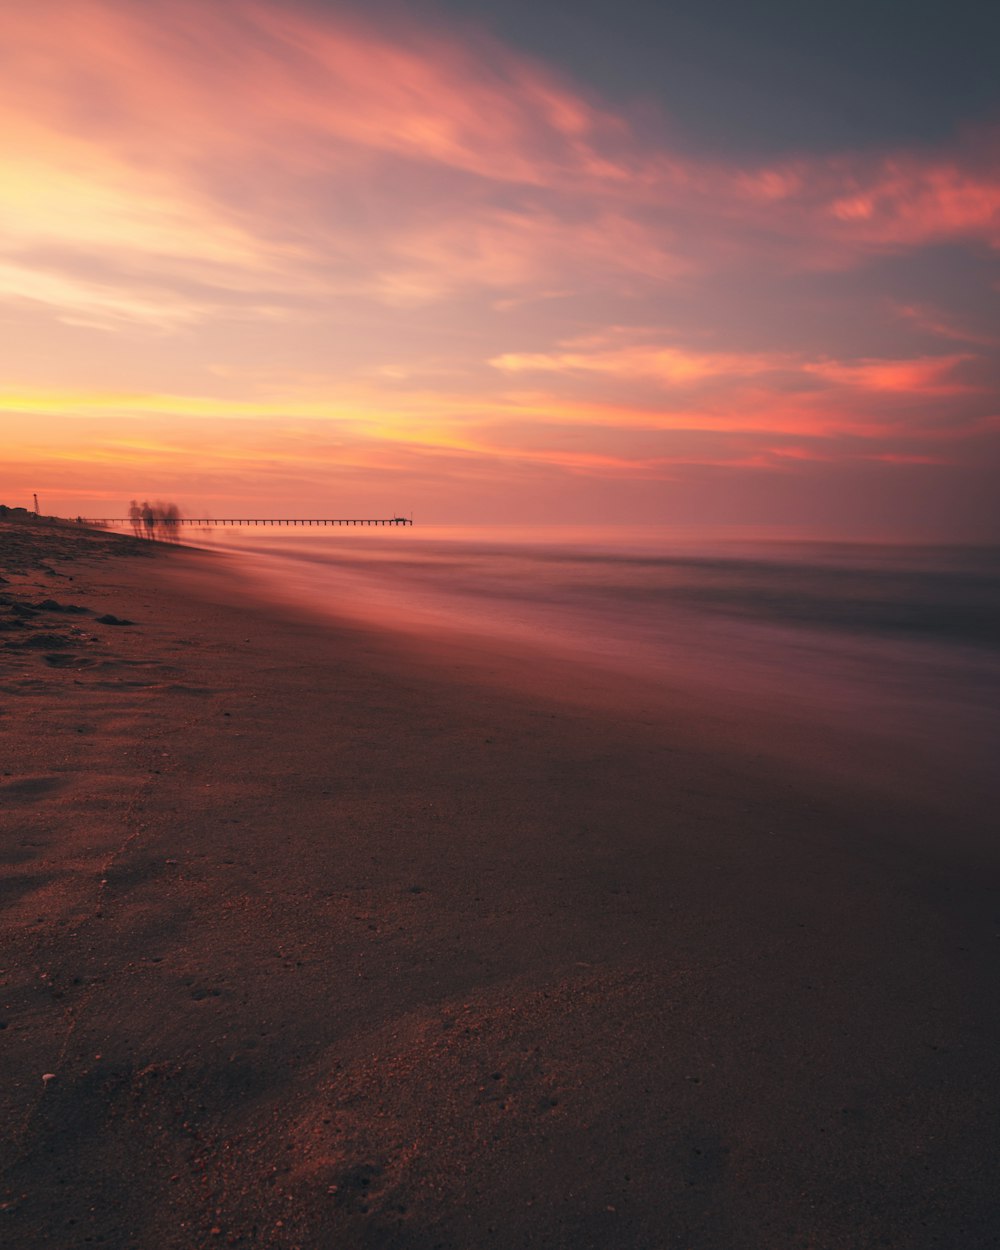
885	645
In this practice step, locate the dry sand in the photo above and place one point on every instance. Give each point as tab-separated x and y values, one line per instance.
310	941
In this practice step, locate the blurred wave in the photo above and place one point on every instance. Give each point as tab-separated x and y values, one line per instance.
890	643
950	594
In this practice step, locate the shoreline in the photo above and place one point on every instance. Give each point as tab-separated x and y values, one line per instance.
375	954
751	722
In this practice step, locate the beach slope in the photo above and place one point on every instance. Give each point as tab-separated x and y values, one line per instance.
310	941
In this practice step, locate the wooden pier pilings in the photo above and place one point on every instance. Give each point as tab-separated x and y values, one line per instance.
236	521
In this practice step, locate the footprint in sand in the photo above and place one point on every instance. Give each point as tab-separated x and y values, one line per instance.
41	642
50	605
15	887
31	789
67	659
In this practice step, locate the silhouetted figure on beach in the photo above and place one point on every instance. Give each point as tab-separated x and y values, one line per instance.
170	515
155	520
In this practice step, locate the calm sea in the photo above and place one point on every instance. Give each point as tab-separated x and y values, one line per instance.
901	641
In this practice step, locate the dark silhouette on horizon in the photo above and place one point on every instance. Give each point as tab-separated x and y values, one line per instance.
146	518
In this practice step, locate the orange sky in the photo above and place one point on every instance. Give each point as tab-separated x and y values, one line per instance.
286	260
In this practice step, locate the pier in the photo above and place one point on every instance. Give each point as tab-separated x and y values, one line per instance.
235	521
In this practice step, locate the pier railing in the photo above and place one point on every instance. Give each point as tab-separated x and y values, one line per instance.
233	521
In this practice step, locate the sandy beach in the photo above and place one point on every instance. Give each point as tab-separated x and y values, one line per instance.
315	939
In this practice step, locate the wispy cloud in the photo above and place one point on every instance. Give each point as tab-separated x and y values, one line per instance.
292	147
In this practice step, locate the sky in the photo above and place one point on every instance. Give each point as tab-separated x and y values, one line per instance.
725	265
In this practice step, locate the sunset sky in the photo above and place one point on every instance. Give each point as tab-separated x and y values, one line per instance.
731	263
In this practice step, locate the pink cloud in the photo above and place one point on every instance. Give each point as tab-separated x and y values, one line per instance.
907	200
939	324
269	134
674	367
932	375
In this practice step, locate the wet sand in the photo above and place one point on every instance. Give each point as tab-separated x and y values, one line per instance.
315	940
